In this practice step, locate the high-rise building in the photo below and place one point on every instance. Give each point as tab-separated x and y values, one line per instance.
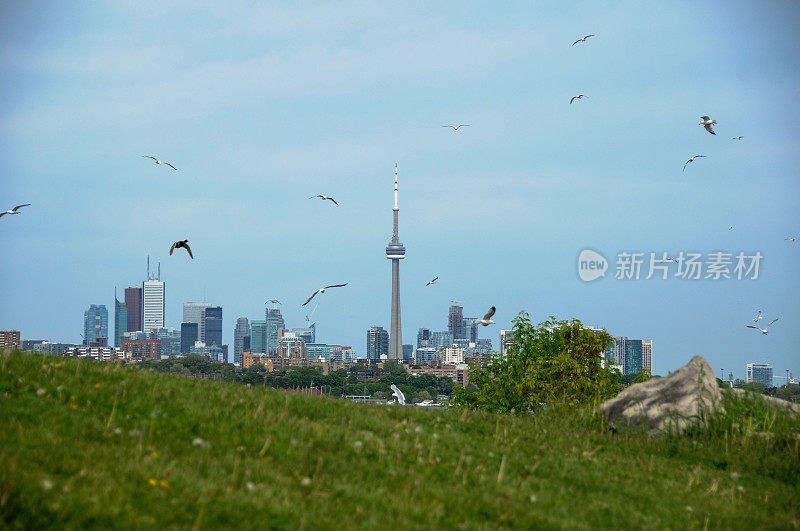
441	339
258	337
193	313
120	320
759	372
395	252
471	329
241	332
170	340
633	355
10	339
153	297
212	323
190	333
506	340
95	324
377	343
423	337
455	322
308	335
133	302
275	324
408	352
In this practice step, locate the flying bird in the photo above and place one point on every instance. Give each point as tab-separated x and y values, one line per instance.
758	317
738	137
789	239
455	127
179	244
432	281
487	319
324	197
273	301
691	159
707	122
582	39
764	331
668	259
322	290
14	210
160	161
578	97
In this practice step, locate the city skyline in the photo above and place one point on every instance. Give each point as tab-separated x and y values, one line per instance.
499	210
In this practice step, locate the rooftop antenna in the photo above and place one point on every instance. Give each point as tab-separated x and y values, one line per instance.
148	267
159	270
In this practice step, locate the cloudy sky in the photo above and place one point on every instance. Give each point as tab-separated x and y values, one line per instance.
262	106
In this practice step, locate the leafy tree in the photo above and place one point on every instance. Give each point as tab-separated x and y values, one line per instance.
421	396
641	376
556	362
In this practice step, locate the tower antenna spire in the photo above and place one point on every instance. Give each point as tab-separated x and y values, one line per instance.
395	252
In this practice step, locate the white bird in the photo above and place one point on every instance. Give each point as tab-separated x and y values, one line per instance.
455	127
707	122
764	331
738	137
758	317
273	301
14	210
432	281
578	97
487	319
582	39
324	197
691	159
789	239
401	398
322	290
160	161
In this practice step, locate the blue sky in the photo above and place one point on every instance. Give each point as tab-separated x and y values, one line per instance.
261	106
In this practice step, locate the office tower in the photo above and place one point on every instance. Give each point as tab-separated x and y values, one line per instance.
258	336
10	339
760	373
153	294
241	332
408	352
212	323
455	322
275	324
506	340
441	339
190	333
193	313
95	324
133	302
395	252
308	335
120	320
170	340
423	337
633	355
470	329
377	343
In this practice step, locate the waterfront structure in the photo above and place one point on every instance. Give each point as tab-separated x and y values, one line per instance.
120	320
633	355
455	322
190	333
212	326
258	336
760	373
193	313
275	324
133	302
95	324
153	299
241	334
395	252
10	339
377	343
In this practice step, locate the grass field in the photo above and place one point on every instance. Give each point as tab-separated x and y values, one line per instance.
93	445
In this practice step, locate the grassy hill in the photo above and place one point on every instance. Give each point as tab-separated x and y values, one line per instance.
86	444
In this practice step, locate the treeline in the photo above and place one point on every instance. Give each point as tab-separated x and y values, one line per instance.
336	383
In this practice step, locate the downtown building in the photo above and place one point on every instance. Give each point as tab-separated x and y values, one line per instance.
10	339
95	325
193	313
633	355
120	320
241	339
759	373
377	344
133	305
153	304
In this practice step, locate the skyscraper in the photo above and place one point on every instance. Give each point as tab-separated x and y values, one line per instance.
633	354
470	329
423	337
95	323
455	322
153	293
759	372
241	332
308	335
193	313
133	302
120	320
258	337
395	252
190	332
275	324
377	343
212	322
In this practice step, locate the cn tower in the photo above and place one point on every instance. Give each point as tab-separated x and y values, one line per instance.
395	252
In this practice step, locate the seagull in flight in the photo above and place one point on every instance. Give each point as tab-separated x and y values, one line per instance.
707	122
179	244
582	39
14	210
692	160
322	290
738	137
486	320
160	161
758	317
432	281
789	239
273	301
764	331
455	127
578	97
324	197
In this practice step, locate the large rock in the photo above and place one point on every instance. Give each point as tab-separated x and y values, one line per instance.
671	403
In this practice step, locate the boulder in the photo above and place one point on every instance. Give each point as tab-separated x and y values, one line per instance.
667	404
771	400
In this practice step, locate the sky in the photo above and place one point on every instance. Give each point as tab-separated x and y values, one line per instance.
260	106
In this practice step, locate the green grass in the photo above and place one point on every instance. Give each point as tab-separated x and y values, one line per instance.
85	444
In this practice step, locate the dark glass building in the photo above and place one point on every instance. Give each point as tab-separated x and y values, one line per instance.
212	317
190	332
133	302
